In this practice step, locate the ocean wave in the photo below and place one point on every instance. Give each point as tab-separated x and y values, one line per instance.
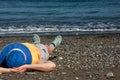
61	0
53	30
53	0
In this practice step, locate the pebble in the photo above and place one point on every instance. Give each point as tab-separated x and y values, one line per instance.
60	58
68	66
59	65
110	74
30	72
86	54
39	78
64	73
90	76
76	77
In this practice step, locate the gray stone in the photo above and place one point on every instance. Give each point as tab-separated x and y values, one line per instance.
60	58
76	77
64	73
110	74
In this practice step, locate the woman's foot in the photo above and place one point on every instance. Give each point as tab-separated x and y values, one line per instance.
36	39
57	41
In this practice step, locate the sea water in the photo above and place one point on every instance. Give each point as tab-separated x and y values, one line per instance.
54	17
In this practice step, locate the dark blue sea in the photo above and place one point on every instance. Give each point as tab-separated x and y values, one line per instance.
53	17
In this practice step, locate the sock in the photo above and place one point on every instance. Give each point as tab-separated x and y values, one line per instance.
52	45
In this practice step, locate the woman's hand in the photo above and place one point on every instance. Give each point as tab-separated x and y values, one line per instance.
22	68
13	70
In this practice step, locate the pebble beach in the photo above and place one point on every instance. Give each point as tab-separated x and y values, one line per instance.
81	57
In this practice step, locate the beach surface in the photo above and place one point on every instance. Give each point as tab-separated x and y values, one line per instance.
83	57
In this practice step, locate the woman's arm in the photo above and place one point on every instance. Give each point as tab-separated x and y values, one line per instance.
4	70
43	66
7	70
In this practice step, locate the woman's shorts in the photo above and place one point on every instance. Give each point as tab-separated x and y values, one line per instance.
43	51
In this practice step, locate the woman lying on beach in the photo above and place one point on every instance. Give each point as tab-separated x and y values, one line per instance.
20	57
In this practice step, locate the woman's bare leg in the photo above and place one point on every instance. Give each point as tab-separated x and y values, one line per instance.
54	44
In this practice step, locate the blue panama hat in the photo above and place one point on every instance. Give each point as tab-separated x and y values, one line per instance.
15	55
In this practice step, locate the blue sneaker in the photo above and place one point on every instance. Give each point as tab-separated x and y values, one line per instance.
57	40
36	39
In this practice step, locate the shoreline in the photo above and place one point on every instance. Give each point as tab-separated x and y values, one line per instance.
64	33
81	57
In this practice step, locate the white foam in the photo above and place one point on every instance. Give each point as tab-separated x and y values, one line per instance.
34	30
90	27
